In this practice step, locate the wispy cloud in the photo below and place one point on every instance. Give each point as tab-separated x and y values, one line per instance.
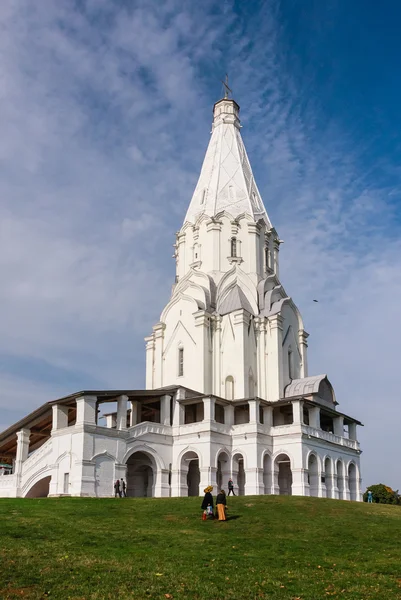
105	112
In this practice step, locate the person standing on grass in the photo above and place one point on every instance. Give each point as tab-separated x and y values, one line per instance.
370	496
207	503
123	488
231	487
117	493
221	505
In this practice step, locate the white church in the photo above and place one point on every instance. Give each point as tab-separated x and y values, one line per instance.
228	393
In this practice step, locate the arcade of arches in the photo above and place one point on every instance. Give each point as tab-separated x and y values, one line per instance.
324	477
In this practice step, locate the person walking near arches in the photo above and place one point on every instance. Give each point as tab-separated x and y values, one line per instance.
117	492
231	487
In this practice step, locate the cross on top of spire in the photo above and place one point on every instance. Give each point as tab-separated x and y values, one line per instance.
227	90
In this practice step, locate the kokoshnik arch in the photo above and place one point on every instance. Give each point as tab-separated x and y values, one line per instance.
228	392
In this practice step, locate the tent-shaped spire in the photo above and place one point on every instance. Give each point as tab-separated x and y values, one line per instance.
226	181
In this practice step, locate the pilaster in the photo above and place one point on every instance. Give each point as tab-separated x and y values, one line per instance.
253	247
276	387
213	228
303	348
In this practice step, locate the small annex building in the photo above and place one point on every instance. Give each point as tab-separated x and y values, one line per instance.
228	393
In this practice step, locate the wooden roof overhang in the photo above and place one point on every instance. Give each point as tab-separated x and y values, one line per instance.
39	422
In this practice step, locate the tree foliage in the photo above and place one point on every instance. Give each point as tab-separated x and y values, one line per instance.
382	494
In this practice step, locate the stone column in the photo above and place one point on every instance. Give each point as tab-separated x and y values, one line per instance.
86	410
276	386
111	421
165	410
268	416
314	417
209	409
347	494
162	488
254	481
229	414
275	484
207	477
135	415
297	412
338	425
303	347
60	417
178	413
254	411
122	404
299	482
352	431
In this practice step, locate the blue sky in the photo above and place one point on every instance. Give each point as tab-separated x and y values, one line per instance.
105	114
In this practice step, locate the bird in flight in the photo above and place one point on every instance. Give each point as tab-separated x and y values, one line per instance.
316	301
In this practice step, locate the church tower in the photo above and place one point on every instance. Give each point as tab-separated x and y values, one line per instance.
229	328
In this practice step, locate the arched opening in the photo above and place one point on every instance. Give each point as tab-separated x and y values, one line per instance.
233	247
190	474
267	474
313	475
141	475
223	471
283	475
267	257
40	489
352	481
340	479
230	387
328	477
239	476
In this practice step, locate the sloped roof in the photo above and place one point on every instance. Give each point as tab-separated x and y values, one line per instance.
226	181
305	386
235	300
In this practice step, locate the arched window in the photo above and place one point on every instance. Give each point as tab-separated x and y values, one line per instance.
229	388
290	365
233	247
180	362
267	257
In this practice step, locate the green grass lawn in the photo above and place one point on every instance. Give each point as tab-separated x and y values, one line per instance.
272	547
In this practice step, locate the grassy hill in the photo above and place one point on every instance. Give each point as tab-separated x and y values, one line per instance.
272	547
